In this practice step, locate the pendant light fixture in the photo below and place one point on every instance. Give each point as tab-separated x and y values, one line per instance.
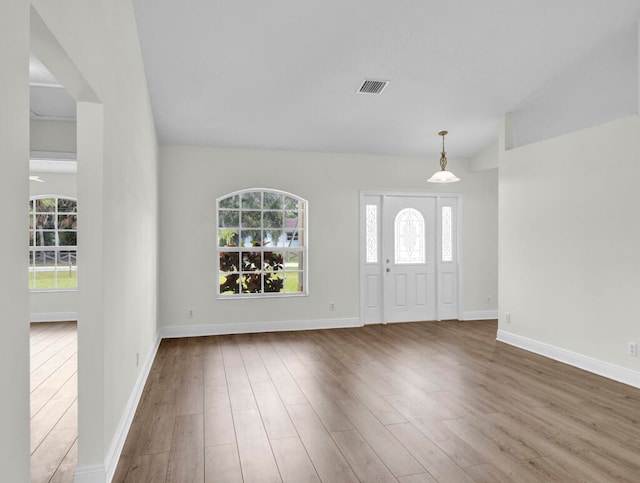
443	176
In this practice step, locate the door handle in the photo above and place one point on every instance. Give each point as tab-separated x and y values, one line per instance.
388	269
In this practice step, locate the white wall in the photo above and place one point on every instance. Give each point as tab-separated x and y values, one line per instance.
54	184
585	94
485	159
569	238
14	191
117	189
191	178
53	136
53	305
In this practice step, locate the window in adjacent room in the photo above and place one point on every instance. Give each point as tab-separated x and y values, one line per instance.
53	240
261	244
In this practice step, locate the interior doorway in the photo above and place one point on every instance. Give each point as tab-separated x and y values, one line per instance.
410	260
52	278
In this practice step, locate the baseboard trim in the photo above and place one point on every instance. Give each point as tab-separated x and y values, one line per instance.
124	426
53	316
480	315
596	366
255	327
90	474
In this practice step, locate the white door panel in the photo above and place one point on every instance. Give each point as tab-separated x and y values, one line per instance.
422	286
373	298
408	246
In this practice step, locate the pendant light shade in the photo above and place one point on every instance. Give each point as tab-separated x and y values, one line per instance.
443	176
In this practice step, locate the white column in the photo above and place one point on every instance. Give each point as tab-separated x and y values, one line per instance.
91	430
14	194
638	79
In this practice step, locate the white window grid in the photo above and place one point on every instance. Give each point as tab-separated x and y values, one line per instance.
50	230
261	238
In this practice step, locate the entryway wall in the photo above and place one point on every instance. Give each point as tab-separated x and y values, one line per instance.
192	177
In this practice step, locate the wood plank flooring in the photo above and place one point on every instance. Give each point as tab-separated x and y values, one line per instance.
417	402
54	401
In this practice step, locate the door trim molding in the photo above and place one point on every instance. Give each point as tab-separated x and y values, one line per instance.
362	241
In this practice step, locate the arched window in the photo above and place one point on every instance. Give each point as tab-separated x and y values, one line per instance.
261	244
53	240
409	237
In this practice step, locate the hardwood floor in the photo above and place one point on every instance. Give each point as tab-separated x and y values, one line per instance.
54	401
418	402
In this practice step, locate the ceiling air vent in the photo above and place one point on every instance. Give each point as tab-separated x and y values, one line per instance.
372	86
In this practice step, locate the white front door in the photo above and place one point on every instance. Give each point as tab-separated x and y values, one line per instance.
409	257
408	247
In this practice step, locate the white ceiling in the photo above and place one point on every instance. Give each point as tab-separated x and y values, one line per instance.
283	74
49	100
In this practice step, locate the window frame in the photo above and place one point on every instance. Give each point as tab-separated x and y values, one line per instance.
302	248
57	248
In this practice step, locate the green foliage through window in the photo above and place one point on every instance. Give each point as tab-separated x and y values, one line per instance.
53	240
261	243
